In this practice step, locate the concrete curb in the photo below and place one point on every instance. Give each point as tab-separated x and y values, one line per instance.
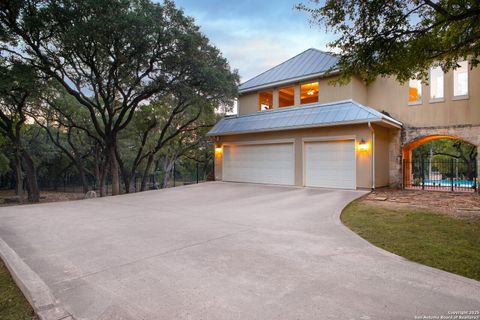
35	290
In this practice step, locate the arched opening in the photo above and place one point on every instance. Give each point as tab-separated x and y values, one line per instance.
440	162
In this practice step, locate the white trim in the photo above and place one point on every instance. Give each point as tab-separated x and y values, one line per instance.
254	142
388	122
439	100
416	103
464	97
329	138
442	99
353	138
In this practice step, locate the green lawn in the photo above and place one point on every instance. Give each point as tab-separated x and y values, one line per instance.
13	305
436	240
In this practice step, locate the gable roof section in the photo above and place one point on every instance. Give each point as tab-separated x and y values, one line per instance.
319	115
308	63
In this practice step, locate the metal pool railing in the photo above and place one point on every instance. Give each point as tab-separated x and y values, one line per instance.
448	175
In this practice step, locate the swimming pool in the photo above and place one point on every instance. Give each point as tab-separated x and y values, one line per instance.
447	183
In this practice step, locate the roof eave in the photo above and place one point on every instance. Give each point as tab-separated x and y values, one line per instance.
290	80
332	124
393	123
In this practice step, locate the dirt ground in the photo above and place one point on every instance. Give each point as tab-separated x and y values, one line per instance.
45	196
460	205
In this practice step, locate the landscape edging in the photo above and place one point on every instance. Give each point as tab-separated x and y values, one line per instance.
32	286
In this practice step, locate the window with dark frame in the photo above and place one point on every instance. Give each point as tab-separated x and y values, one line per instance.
286	97
309	93
265	100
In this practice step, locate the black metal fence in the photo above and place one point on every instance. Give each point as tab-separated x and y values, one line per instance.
182	173
447	175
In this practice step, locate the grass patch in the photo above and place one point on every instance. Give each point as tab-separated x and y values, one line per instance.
13	305
423	236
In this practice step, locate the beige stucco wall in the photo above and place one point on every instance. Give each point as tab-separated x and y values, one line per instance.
382	156
327	92
459	117
386	94
248	103
389	95
363	158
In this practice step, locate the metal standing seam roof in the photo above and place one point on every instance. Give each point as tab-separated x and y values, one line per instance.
309	62
319	115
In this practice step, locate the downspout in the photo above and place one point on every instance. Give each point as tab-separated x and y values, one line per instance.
373	154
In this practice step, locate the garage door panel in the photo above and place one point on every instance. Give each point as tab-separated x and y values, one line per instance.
269	163
330	164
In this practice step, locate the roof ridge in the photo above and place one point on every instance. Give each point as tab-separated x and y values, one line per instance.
282	63
326	52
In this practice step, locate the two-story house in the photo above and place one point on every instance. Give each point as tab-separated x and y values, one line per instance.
295	128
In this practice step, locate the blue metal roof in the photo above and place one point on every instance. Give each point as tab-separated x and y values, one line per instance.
337	113
309	62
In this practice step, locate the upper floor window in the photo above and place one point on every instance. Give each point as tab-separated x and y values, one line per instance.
265	100
309	93
436	84
460	80
414	91
286	97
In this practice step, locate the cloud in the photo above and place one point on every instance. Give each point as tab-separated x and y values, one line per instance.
255	35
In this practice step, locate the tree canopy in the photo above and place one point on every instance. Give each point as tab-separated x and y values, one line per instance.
400	38
107	63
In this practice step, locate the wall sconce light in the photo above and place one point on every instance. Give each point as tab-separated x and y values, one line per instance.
362	146
218	150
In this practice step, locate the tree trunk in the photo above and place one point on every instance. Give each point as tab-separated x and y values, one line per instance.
146	173
31	173
18	176
83	177
114	169
127	183
101	185
168	164
128	177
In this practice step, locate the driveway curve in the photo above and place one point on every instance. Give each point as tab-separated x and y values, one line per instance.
217	251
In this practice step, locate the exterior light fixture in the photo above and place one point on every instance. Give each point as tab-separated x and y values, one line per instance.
218	149
362	146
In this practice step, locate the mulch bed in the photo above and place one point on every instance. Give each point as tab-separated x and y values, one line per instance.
460	205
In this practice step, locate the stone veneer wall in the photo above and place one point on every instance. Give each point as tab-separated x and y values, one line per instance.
401	138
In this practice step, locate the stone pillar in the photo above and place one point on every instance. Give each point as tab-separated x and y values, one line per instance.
395	155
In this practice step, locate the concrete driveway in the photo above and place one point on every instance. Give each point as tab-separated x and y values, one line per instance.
216	251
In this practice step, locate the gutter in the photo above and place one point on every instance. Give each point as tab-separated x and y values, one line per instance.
373	154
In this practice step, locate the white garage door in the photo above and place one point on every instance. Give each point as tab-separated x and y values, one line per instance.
330	164
267	163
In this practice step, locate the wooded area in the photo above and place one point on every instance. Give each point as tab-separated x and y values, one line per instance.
105	90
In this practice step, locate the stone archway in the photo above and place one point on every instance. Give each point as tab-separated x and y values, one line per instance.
419	138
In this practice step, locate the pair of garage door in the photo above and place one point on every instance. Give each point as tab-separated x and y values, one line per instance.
329	164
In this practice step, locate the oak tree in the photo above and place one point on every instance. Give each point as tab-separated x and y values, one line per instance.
400	38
